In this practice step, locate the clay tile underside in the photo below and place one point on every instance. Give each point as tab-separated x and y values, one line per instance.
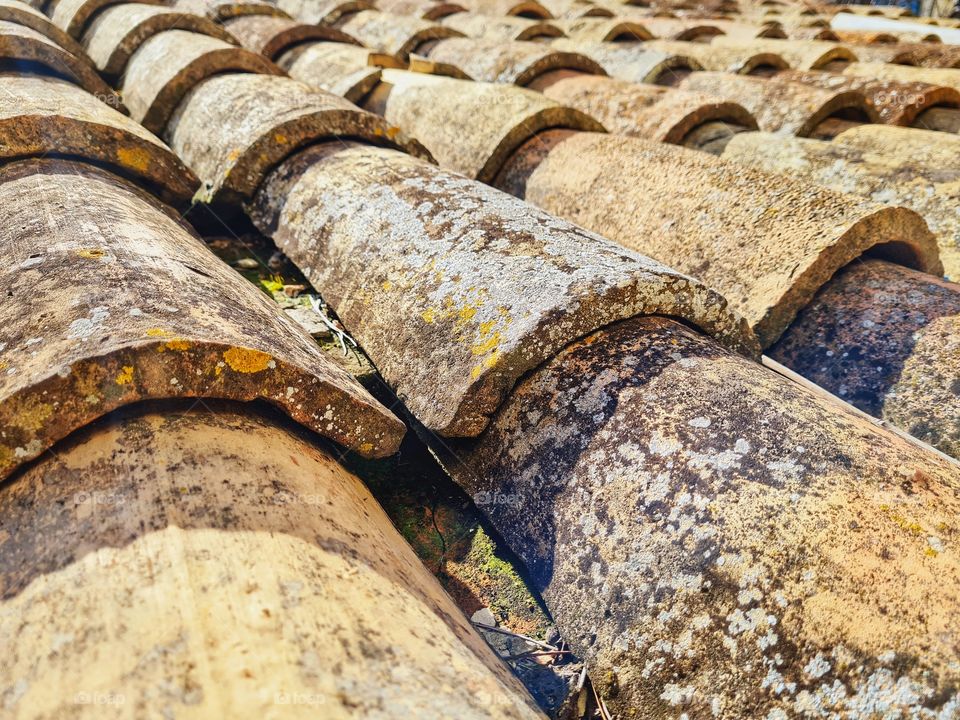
20	45
469	284
117	32
47	116
260	120
127	305
508	62
169	64
272	36
339	69
721	222
23	14
474	127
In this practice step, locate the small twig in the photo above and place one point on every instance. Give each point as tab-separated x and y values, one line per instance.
493	628
535	653
582	679
604	713
339	333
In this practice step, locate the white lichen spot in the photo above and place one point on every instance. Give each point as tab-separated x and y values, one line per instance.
817	667
677	694
83	328
699	422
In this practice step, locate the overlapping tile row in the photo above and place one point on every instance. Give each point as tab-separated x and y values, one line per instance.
196	543
427	108
636	412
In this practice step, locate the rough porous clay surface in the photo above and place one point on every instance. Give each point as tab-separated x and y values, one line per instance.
324	12
629	61
272	36
73	16
27	16
171	63
677	29
650	111
178	576
947	77
717	542
896	103
501	29
886	339
799	54
500	8
766	242
438	276
516	62
424	9
117	32
43	115
789	108
573	9
918	169
594	30
899	54
392	34
720	58
343	70
21	45
474	126
221	10
231	129
129	305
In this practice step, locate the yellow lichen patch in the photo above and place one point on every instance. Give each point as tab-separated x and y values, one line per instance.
392	132
280	138
91	253
30	414
467	312
158	332
125	376
910	526
135	158
176	345
366	447
930	552
428	315
247	360
481	348
387	285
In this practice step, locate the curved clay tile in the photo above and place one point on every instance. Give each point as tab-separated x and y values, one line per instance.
672	506
42	116
324	12
573	9
674	29
343	70
21	45
73	16
896	103
500	8
814	33
169	64
24	14
648	111
720	59
899	54
221	10
273	36
502	29
260	120
128	305
516	62
866	37
423	9
767	242
631	61
171	542
904	368
393	34
475	126
747	31
948	77
783	107
117	32
594	30
470	285
799	54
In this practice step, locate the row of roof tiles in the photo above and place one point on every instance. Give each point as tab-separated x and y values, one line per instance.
467	283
